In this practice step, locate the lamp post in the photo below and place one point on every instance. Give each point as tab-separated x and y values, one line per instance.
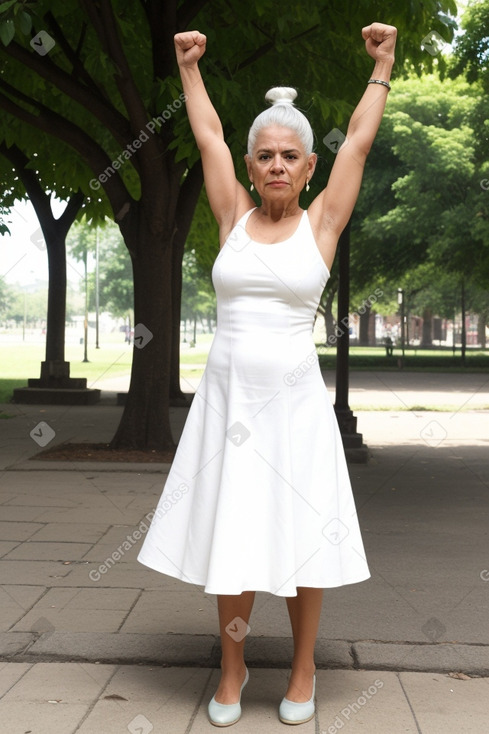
400	301
85	322
97	303
356	451
25	314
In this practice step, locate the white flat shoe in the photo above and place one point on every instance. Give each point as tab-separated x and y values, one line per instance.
297	713
226	714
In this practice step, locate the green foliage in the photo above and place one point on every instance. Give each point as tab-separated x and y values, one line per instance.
429	214
115	269
25	303
472	46
313	45
198	297
5	296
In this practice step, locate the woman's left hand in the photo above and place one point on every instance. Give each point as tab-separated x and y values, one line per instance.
380	41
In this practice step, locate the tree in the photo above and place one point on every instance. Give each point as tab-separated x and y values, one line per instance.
471	57
5	296
107	89
198	298
432	209
115	286
55	371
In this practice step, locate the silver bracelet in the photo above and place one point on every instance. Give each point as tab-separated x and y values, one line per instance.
380	81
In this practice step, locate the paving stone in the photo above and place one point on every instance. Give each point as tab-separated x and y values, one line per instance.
444	704
71	619
102	551
7	546
10	674
21	514
34	573
175	612
121	574
18	530
47	551
48	681
105	516
157	700
41	718
364	702
73	532
15	601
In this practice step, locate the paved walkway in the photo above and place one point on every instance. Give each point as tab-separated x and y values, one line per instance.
93	642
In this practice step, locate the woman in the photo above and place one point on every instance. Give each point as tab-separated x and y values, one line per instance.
258	497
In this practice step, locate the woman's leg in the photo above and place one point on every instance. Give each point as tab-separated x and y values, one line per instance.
236	607
304	612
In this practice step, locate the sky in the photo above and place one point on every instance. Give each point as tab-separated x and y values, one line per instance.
23	255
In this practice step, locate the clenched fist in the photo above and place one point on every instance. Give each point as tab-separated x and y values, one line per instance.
189	47
380	41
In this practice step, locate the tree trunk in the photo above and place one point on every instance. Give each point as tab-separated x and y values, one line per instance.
426	339
55	372
364	328
464	325
481	329
54	369
187	202
145	422
177	396
329	321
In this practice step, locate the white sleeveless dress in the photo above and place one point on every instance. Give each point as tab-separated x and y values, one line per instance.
259	496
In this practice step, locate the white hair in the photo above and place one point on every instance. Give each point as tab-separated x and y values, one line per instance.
283	113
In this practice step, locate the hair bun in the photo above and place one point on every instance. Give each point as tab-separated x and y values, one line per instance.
281	95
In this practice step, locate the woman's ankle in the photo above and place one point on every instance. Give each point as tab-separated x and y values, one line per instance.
302	667
233	668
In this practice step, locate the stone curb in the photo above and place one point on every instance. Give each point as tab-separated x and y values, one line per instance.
90	466
261	652
437	658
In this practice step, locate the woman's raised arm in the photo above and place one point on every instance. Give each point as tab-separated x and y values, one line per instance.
226	195
332	208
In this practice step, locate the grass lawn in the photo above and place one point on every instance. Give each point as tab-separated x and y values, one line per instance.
431	360
21	360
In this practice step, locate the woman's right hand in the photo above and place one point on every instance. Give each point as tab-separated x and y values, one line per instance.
189	47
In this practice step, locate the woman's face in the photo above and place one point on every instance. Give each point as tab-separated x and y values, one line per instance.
279	166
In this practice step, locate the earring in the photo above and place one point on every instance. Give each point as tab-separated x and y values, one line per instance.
307	186
251	187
